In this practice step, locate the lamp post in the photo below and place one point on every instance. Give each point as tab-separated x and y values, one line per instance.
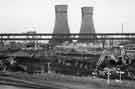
108	71
108	77
120	72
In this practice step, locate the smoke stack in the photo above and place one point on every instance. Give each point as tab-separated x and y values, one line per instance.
87	25
61	23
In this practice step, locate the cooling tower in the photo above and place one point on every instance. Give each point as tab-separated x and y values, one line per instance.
87	25
61	24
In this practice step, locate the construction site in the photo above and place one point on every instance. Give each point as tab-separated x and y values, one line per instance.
84	54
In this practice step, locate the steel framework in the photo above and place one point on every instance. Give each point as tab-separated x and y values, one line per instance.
73	36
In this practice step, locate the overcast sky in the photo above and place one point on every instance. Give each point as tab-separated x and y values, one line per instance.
21	15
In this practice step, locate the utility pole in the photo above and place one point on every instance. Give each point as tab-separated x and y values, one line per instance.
122	28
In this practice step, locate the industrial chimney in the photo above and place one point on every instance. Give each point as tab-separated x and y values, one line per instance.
61	24
87	25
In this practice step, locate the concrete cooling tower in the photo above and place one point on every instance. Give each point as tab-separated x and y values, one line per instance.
87	25
61	24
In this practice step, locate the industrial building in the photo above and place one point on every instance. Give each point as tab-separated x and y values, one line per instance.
87	25
61	24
